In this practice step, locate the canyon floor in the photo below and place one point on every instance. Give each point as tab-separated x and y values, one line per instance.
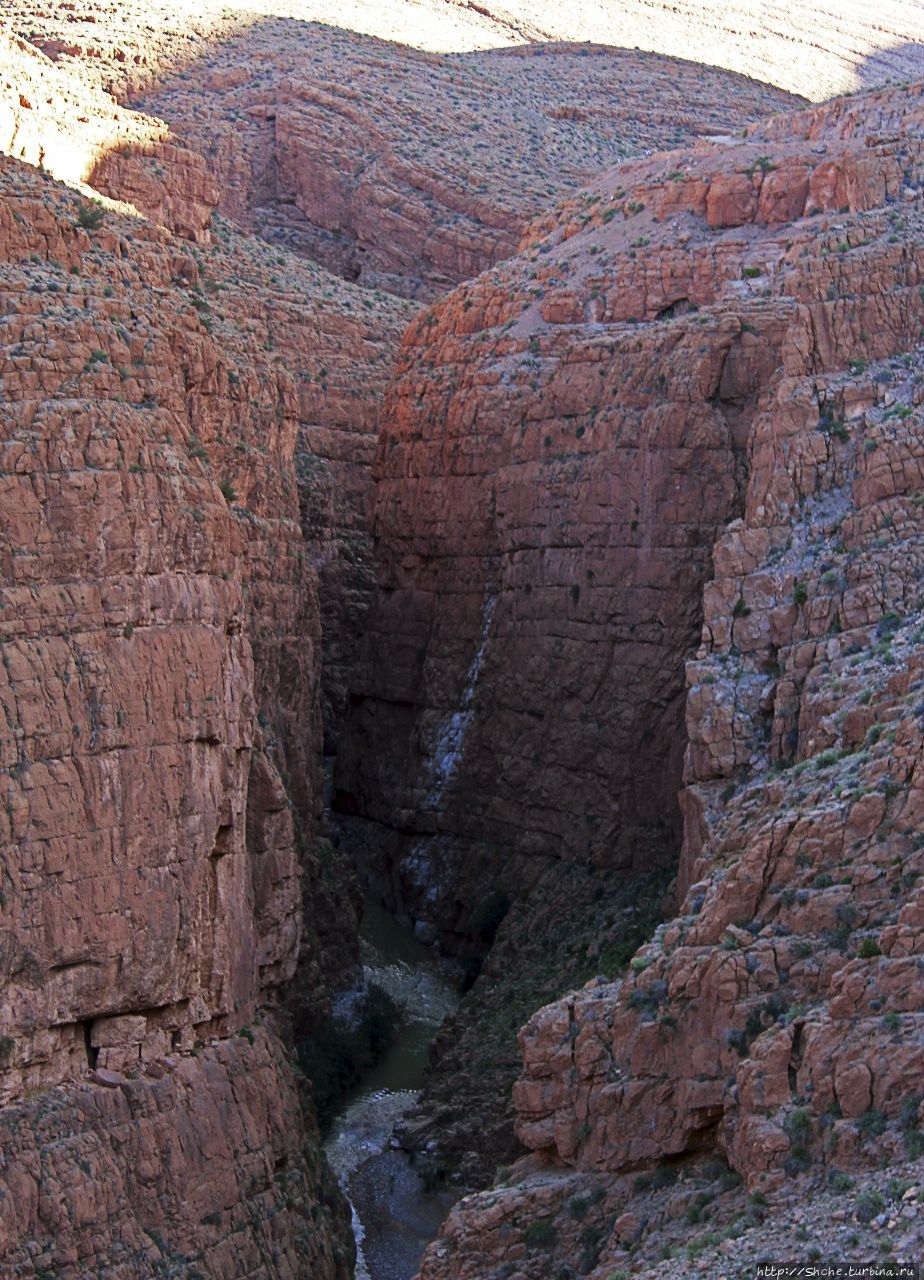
470	456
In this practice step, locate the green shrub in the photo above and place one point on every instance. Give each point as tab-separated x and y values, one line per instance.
908	1114
341	1053
868	1205
914	1143
578	1206
872	1123
540	1235
90	215
798	1129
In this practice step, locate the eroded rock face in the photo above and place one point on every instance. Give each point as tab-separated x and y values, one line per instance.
57	117
776	1021
564	438
57	110
161	684
539	572
339	168
205	1164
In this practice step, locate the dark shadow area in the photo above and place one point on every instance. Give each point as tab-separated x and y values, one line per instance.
897	64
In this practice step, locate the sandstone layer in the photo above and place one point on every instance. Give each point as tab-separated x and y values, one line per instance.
772	1031
204	1165
411	172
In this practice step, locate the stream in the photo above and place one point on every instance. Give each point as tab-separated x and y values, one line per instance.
394	1216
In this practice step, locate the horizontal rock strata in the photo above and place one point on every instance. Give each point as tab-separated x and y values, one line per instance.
774	1024
168	413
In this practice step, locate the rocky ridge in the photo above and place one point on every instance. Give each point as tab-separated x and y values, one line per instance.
687	1222
401	169
847	46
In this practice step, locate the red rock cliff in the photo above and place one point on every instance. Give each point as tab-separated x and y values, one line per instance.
776	1021
563	441
161	684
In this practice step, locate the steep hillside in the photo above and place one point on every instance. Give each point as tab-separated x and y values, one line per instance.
565	440
410	172
401	169
845	45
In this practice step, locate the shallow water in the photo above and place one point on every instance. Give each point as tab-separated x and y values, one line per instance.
394	1217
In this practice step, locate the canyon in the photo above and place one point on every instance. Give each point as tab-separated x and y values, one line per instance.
469	457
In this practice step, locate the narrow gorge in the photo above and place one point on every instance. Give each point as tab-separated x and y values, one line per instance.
461	619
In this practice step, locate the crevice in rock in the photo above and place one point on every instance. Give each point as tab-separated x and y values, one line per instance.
91	1050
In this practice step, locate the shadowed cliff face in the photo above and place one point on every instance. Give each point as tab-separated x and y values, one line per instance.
564	438
775	1024
541	564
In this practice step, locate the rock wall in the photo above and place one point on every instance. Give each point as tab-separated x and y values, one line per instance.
774	1025
207	1164
564	439
161	641
530	543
